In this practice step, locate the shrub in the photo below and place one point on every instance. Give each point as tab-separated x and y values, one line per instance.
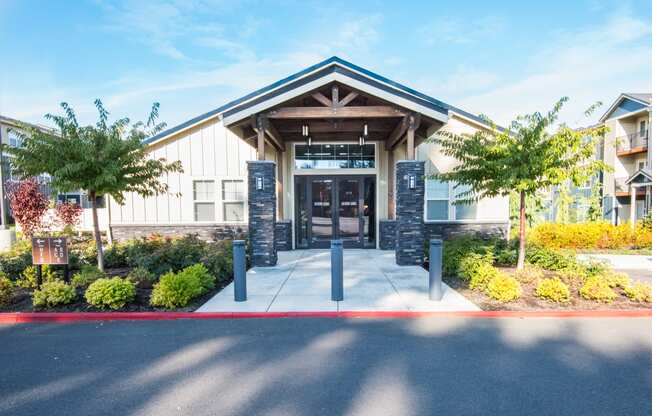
598	289
477	270
115	256
6	289
639	292
503	288
218	259
616	279
87	275
573	276
591	235
506	257
550	259
14	261
529	274
176	290
553	289
28	205
53	293
160	255
458	248
28	276
142	277
112	293
200	272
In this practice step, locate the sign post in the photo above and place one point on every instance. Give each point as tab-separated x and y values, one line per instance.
49	250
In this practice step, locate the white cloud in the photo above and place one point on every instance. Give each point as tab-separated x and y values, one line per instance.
588	65
450	30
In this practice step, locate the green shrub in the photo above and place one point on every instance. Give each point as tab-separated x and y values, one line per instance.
506	257
200	272
218	259
14	261
550	259
598	289
115	256
639	292
53	293
477	270
553	289
573	276
456	249
142	277
176	290
87	275
160	255
529	274
503	288
28	276
6	289
112	293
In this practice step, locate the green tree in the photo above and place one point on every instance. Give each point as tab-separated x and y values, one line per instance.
564	202
525	158
104	159
594	201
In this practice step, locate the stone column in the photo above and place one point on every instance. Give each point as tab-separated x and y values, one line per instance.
262	212
409	212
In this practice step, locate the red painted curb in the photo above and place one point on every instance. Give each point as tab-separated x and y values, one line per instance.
62	317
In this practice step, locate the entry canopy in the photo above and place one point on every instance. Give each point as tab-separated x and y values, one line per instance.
641	177
335	100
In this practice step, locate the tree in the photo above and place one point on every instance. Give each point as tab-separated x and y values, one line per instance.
68	214
524	159
594	201
564	202
28	205
104	159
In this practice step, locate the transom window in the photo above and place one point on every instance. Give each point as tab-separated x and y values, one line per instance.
233	200
440	202
335	156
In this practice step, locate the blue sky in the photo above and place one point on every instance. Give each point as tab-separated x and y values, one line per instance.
496	58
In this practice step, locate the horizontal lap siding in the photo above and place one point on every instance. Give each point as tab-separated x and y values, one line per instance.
207	152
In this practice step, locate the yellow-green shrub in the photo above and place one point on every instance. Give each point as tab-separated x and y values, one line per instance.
597	288
503	288
617	279
53	293
477	270
553	289
572	276
529	274
590	235
6	289
87	275
113	293
639	292
175	290
27	278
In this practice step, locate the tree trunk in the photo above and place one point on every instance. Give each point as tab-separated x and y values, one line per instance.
96	231
521	233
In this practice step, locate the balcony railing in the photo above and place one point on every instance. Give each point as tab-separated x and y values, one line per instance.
632	141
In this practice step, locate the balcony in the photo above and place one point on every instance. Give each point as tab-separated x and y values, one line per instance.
622	189
632	143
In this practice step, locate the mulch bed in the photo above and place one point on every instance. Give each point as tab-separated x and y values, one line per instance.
22	300
529	302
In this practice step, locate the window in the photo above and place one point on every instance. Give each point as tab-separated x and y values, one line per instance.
335	156
233	200
204	200
642	128
642	164
14	139
440	205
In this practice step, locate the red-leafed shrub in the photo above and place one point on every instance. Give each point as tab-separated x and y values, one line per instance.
68	213
28	205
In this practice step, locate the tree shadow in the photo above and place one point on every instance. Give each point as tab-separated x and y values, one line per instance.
329	367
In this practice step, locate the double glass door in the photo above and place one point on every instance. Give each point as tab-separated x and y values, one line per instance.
335	207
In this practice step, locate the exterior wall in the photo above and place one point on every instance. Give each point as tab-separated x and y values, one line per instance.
213	232
207	152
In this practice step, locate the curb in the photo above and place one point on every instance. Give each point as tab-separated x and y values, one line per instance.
68	317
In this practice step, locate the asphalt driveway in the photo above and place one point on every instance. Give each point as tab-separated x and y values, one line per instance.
442	366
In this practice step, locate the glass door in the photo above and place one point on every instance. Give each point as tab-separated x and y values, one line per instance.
348	200
321	212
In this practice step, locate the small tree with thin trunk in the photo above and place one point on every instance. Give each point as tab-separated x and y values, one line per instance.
28	205
68	215
104	159
524	159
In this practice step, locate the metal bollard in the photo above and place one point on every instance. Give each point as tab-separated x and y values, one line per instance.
436	291
239	271
337	271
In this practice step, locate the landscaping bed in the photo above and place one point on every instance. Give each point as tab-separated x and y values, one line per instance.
553	279
147	274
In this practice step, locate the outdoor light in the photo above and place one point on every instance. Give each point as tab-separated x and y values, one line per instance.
361	140
412	182
259	183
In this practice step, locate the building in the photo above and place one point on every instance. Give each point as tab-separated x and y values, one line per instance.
10	130
627	189
333	151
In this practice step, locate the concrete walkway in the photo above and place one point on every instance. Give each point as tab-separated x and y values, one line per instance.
372	282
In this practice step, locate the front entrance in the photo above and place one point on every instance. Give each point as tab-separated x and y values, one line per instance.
335	207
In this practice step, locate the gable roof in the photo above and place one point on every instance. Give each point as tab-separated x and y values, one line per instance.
640	176
626	103
333	68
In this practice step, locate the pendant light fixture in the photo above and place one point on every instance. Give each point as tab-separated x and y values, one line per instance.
305	132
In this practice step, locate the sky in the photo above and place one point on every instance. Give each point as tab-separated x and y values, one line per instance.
497	58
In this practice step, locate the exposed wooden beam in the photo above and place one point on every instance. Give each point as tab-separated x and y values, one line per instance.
335	95
260	131
334	136
322	99
396	135
414	120
265	131
378	111
275	138
345	125
349	97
